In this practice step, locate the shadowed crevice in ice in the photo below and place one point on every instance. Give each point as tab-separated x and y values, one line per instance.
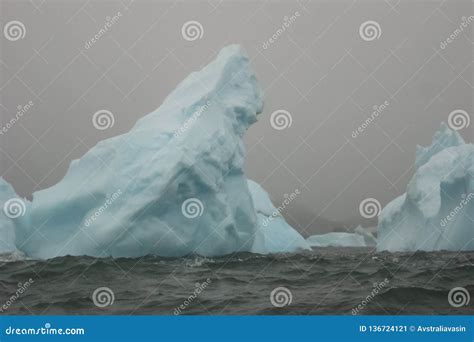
173	185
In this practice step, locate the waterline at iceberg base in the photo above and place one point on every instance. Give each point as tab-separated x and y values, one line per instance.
325	281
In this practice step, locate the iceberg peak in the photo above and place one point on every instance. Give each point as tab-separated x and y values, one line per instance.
443	138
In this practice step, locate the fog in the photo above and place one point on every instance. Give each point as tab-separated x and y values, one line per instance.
360	84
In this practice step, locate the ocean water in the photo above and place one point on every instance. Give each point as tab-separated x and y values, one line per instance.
327	281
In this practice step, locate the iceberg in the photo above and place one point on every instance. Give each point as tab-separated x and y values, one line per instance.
437	210
443	138
360	238
11	207
173	185
369	238
274	235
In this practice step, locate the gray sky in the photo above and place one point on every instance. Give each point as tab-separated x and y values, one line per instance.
322	69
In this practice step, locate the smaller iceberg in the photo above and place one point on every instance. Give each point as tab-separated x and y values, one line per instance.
274	235
369	238
360	238
437	210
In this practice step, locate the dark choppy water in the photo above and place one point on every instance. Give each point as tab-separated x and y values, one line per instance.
327	281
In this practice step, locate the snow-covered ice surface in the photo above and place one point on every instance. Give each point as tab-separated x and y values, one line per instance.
437	210
173	185
360	238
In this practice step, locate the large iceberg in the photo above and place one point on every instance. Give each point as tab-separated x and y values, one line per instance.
437	211
360	238
173	185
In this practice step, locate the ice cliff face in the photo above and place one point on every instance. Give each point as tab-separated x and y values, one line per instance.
437	211
173	185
